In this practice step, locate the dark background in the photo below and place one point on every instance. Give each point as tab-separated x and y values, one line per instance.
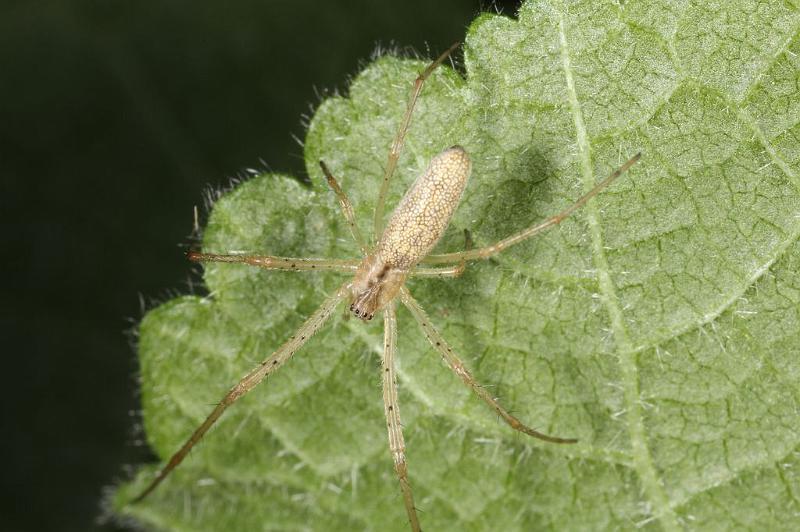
114	117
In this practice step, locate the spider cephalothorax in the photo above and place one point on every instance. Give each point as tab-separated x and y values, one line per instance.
375	284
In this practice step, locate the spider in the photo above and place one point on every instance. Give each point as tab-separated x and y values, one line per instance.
413	230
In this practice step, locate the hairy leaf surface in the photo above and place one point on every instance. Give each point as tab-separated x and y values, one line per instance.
659	325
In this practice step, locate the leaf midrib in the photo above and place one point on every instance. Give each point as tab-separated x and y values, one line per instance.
642	458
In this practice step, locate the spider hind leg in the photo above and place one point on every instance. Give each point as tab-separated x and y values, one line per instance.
454	362
397	445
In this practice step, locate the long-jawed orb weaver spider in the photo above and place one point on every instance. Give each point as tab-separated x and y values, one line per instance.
413	230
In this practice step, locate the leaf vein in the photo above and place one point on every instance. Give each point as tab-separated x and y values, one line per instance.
759	272
642	459
781	49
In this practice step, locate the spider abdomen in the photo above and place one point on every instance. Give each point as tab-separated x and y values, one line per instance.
425	211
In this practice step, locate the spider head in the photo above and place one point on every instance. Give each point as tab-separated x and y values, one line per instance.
376	283
364	307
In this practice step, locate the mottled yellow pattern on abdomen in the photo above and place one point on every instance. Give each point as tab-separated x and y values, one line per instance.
424	212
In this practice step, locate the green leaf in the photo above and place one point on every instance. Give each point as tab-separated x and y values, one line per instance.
660	325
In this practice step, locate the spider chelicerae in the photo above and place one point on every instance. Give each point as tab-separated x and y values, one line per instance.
379	278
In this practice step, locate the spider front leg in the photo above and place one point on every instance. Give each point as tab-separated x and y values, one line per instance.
269	262
249	381
494	249
455	363
279	263
347	208
399	139
392	410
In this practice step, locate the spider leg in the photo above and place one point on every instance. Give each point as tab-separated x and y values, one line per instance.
455	363
447	271
347	208
494	249
397	143
391	408
279	263
249	381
